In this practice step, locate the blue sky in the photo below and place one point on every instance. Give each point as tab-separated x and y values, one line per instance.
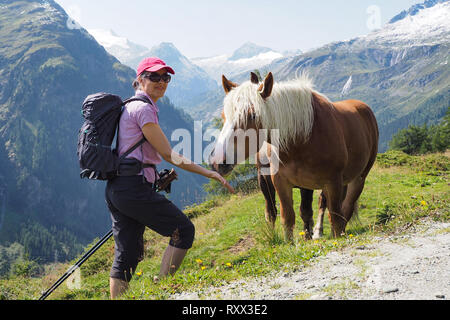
202	28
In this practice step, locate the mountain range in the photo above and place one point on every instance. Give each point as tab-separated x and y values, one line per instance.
196	79
246	58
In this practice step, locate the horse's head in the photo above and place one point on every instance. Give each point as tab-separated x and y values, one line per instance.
239	138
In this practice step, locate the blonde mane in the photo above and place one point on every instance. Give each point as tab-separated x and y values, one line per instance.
288	109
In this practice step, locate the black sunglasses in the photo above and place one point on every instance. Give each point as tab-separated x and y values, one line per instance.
156	77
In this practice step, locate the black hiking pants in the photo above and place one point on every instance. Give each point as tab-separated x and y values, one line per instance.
134	204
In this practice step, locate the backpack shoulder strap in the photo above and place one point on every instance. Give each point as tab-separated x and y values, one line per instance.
140	142
127	153
138	98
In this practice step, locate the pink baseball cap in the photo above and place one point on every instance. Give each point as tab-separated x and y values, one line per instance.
153	64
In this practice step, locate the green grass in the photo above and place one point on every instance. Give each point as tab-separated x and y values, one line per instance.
233	241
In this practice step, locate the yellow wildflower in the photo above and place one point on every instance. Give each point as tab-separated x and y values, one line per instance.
139	273
424	203
301	233
228	264
199	261
203	268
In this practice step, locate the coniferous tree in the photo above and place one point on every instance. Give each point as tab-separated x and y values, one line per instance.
423	139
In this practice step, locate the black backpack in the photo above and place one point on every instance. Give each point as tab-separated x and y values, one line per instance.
98	160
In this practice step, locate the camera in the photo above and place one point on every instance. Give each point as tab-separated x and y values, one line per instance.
164	183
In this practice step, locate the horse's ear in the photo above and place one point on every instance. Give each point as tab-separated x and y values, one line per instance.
266	88
254	78
227	84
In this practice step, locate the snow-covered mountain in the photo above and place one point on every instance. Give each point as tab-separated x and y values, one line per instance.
415	9
120	47
427	23
248	50
246	58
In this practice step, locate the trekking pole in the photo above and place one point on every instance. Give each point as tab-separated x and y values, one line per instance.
76	265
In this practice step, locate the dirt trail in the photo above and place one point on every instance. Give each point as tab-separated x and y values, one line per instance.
412	266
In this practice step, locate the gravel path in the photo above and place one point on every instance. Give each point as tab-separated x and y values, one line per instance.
411	266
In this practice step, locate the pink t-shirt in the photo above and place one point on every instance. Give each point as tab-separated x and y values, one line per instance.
136	114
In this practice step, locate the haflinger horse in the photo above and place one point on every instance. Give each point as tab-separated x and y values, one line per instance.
313	144
268	190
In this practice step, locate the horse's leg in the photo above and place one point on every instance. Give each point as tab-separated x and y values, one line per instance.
333	193
318	229
306	211
268	190
284	190
354	191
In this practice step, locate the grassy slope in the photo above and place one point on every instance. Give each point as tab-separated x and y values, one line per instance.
232	240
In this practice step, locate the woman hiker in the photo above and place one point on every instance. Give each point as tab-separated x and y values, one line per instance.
132	200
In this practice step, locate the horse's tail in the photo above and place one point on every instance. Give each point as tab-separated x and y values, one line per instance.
355	216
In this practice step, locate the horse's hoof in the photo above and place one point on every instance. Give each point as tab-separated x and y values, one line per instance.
317	235
289	237
271	225
308	235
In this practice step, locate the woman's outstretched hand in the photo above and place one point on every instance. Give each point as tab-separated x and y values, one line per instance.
216	176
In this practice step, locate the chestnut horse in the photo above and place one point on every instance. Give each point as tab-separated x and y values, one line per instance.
320	145
306	210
